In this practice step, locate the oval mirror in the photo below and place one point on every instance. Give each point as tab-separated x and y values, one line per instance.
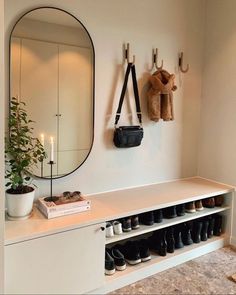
52	71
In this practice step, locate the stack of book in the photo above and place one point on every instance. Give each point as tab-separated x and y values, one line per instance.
62	207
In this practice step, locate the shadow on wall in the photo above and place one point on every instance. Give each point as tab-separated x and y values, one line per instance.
143	86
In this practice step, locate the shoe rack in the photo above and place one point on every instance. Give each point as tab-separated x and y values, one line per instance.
70	250
143	229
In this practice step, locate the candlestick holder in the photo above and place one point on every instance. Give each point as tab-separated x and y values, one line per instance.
51	198
42	168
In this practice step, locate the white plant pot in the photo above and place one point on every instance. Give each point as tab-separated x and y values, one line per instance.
19	206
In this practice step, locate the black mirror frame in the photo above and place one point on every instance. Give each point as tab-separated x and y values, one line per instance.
93	80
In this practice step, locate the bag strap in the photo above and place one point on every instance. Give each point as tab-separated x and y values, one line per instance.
136	95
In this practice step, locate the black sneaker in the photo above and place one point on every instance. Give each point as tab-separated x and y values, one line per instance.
158	216
109	264
131	252
134	222
118	258
147	218
170	212
144	250
126	224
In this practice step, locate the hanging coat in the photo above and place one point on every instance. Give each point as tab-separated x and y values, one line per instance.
160	96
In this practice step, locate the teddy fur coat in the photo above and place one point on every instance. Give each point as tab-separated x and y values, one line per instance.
160	96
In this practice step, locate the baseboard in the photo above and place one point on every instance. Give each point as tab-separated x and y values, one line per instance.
233	241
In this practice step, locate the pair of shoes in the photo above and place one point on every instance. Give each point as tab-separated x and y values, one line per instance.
170	212
114	260
129	223
148	218
219	200
135	251
158	242
192	207
112	228
209	202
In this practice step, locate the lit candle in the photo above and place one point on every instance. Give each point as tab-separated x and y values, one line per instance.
52	149
42	139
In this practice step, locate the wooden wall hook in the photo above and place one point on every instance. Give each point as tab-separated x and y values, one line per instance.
155	59
181	64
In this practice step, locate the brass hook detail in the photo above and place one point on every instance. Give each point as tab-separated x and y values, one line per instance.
181	64
155	59
127	54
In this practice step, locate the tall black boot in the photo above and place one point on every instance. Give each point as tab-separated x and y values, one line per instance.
170	240
178	237
197	228
210	231
205	225
162	244
218	225
186	234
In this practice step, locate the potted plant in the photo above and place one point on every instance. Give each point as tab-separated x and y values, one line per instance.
23	151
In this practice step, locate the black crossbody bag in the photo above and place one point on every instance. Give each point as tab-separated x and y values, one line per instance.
128	136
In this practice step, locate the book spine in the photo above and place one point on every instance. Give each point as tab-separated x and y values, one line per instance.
67	212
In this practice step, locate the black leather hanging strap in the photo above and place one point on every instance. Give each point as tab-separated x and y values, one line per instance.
136	95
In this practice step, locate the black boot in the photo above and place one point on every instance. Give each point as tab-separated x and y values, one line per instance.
157	242
186	234
197	228
170	212
180	209
158	216
170	240
218	225
204	231
147	218
162	245
178	237
210	231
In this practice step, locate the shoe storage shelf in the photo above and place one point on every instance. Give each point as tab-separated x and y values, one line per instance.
66	255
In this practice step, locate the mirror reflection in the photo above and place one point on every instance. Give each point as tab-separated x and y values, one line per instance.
51	68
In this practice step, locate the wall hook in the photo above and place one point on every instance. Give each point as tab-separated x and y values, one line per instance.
181	64
127	54
155	59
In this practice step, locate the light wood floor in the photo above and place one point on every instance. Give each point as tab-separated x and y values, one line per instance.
209	274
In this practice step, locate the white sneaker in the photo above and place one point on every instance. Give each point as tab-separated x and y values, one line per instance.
109	230
117	227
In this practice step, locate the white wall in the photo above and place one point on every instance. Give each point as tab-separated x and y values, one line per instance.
169	150
217	156
2	103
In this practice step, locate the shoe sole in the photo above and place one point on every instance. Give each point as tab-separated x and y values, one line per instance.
109	272
190	210
121	267
133	262
135	227
199	209
146	258
127	229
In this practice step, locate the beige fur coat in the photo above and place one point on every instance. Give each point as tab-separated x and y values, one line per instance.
160	96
